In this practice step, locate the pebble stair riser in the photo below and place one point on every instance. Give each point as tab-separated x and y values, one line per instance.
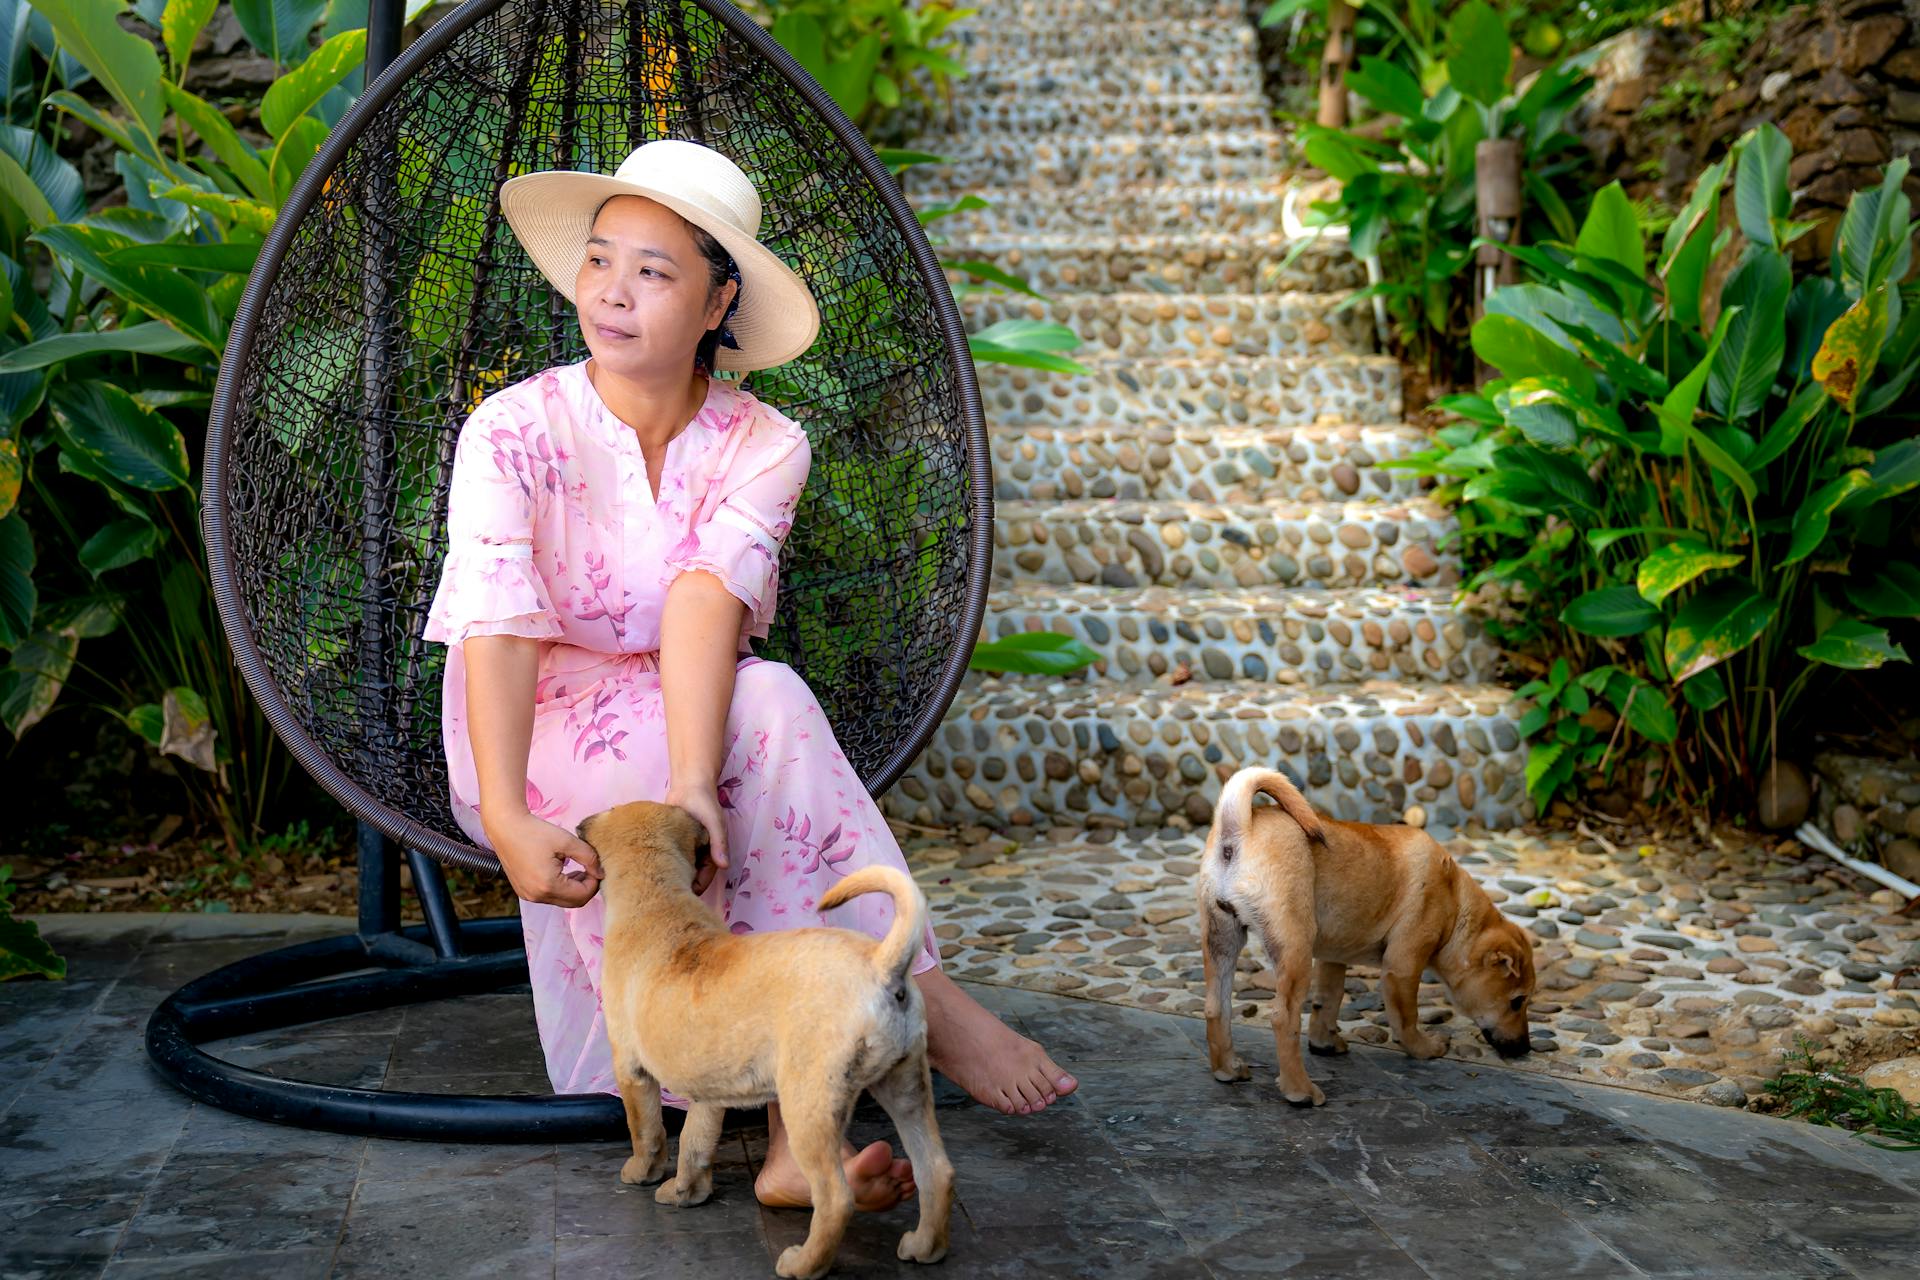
1141	761
1132	544
1289	637
1086	115
1200	159
1197	464
1155	325
1264	392
1008	42
1133	264
1240	211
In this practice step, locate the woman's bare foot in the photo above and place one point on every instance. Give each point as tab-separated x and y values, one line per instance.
995	1064
878	1181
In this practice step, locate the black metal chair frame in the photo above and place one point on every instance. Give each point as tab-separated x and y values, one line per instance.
382	964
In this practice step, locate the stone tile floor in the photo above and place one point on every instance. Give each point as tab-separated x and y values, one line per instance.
1412	1169
1683	969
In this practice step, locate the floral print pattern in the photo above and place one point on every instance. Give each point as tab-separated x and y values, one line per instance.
555	533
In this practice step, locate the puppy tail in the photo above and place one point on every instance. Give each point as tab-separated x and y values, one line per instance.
894	952
1236	804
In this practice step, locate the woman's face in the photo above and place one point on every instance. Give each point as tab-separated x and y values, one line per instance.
642	291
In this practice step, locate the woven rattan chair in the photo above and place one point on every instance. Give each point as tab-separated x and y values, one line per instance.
389	299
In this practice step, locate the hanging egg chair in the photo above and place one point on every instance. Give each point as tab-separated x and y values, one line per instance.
390	298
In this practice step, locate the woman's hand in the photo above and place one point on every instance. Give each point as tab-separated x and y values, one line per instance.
702	800
532	851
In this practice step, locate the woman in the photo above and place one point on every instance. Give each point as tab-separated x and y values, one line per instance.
614	528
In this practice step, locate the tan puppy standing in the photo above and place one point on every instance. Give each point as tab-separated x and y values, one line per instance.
809	1017
1323	894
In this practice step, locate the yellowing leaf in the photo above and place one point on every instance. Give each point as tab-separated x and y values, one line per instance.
1852	345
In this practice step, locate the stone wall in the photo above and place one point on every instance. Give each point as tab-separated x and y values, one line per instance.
1841	78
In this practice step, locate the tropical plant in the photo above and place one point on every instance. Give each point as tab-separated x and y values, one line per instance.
1408	196
106	373
1711	492
871	55
23	951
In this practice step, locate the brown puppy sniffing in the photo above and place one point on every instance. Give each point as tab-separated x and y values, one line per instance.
808	1017
1323	894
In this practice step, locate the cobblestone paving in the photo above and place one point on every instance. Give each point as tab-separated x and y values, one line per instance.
1682	974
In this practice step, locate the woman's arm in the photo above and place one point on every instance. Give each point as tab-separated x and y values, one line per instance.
501	670
699	639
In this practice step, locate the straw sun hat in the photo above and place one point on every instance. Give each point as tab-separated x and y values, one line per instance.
776	317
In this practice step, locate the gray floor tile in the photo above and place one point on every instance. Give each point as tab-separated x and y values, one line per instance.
215	1205
441	1227
280	1264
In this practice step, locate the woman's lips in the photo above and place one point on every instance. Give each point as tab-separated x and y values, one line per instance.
605	332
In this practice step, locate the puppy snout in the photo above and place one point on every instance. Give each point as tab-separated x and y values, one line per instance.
1508	1046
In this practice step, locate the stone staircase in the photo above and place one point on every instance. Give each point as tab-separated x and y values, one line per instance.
1206	509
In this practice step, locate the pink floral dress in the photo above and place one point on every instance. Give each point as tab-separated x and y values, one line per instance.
553	533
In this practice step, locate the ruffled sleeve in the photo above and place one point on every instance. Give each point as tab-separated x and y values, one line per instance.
488	583
739	542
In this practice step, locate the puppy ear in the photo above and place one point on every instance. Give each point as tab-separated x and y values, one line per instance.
1501	958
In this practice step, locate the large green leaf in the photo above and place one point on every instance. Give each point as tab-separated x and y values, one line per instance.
1479	58
1786	428
121	543
24	951
1749	359
1850	349
124	64
1388	86
1610	611
181	22
295	93
1762	197
1893	592
1719	621
223	139
1645	709
1033	653
166	294
151	338
118	435
1611	232
1896	468
1814	305
278	28
18	595
1815	516
1854	645
1676	411
1872	246
1519	350
1688	246
36	672
1675	565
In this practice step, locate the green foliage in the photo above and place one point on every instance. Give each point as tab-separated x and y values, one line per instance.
106	370
871	55
22	950
1409	195
1714	506
1046	653
1880	1117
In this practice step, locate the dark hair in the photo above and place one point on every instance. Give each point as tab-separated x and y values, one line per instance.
720	269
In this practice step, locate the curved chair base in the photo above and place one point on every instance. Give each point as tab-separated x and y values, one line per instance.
325	978
307	982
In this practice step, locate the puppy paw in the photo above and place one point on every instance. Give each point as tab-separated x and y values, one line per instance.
1325	1047
1311	1098
638	1170
921	1246
793	1264
671	1192
1423	1046
1233	1072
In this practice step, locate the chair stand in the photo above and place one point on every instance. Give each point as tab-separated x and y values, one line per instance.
309	981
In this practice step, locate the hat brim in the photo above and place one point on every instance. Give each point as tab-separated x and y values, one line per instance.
551	214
